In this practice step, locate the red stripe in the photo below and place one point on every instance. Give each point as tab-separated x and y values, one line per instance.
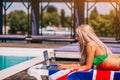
65	76
103	75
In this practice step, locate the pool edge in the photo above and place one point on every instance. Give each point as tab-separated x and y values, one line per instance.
5	73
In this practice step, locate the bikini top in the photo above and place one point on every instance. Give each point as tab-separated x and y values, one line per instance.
99	59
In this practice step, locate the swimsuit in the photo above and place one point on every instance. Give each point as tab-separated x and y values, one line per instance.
99	59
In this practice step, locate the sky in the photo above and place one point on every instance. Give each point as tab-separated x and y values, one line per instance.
103	8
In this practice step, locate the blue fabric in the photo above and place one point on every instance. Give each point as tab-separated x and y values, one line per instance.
84	75
53	71
116	76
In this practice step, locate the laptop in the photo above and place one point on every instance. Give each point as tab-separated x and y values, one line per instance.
47	64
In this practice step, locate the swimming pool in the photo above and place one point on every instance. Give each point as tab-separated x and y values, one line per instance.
8	61
15	60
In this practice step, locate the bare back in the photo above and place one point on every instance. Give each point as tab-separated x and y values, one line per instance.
112	62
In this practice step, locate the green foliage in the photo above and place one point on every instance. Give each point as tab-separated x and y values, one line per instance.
51	18
94	14
18	22
62	17
68	22
104	25
51	9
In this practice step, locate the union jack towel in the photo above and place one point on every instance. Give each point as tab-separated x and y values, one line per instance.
92	74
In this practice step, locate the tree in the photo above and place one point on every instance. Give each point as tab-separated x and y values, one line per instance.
18	21
94	13
104	25
51	9
63	18
52	18
68	22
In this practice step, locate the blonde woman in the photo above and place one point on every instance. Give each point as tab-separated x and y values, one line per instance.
93	51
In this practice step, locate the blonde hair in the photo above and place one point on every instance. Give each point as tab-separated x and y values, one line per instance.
87	34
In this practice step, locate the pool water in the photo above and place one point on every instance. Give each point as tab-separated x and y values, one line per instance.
8	61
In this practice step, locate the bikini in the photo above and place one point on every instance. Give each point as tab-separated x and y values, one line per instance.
99	59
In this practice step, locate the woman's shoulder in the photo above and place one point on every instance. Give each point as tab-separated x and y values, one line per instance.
91	44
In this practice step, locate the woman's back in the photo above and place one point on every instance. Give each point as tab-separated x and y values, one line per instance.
107	61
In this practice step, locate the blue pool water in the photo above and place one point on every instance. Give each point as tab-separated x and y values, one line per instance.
8	61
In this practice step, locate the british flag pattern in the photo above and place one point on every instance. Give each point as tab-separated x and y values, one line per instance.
92	74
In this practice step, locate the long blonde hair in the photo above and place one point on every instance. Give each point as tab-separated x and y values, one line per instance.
87	34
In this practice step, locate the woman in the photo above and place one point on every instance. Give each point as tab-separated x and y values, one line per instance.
93	52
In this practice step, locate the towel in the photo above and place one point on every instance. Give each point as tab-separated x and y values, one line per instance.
92	74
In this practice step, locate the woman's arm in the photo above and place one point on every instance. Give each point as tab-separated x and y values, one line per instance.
90	49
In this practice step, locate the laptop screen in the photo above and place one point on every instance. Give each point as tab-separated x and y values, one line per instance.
46	58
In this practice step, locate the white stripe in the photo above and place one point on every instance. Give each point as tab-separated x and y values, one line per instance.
59	74
94	67
112	75
94	75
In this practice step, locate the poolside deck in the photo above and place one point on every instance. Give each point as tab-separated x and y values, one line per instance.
32	45
23	75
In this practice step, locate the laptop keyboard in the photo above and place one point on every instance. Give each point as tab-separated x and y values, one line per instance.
50	67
